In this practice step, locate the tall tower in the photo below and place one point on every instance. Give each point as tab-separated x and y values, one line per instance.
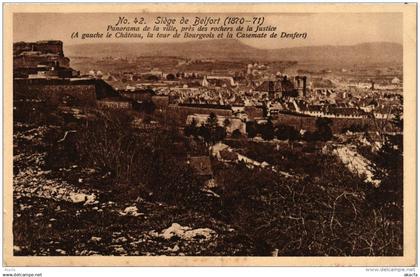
300	83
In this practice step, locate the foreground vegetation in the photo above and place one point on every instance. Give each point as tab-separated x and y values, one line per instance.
319	209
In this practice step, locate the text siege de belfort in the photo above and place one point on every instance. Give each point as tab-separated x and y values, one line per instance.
190	27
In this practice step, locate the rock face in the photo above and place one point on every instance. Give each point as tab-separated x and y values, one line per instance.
77	197
95	239
131	211
187	233
73	214
32	181
357	164
30	54
27	185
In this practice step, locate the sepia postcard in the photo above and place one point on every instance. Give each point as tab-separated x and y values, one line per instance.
209	134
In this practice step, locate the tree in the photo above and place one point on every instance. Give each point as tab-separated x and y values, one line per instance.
397	120
203	131
293	134
220	134
216	133
389	169
226	122
153	78
193	122
284	132
147	119
170	77
267	130
149	107
236	134
191	128
212	120
355	128
323	131
251	129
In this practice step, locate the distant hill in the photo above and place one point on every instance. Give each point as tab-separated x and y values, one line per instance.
378	52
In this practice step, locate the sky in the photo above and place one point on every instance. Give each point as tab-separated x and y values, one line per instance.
321	29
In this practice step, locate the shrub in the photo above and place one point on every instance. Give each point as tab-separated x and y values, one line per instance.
325	214
236	134
134	157
285	132
251	129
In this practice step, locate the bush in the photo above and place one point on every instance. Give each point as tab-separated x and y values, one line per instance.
356	128
147	158
325	214
236	134
37	113
251	129
285	132
267	130
323	131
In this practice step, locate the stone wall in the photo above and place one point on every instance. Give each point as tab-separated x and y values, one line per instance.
180	113
308	122
111	104
83	94
45	47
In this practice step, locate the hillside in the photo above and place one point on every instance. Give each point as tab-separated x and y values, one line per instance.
88	182
378	52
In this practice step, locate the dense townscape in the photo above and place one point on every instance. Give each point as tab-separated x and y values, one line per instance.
173	155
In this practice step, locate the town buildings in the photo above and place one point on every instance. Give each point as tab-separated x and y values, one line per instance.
251	92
